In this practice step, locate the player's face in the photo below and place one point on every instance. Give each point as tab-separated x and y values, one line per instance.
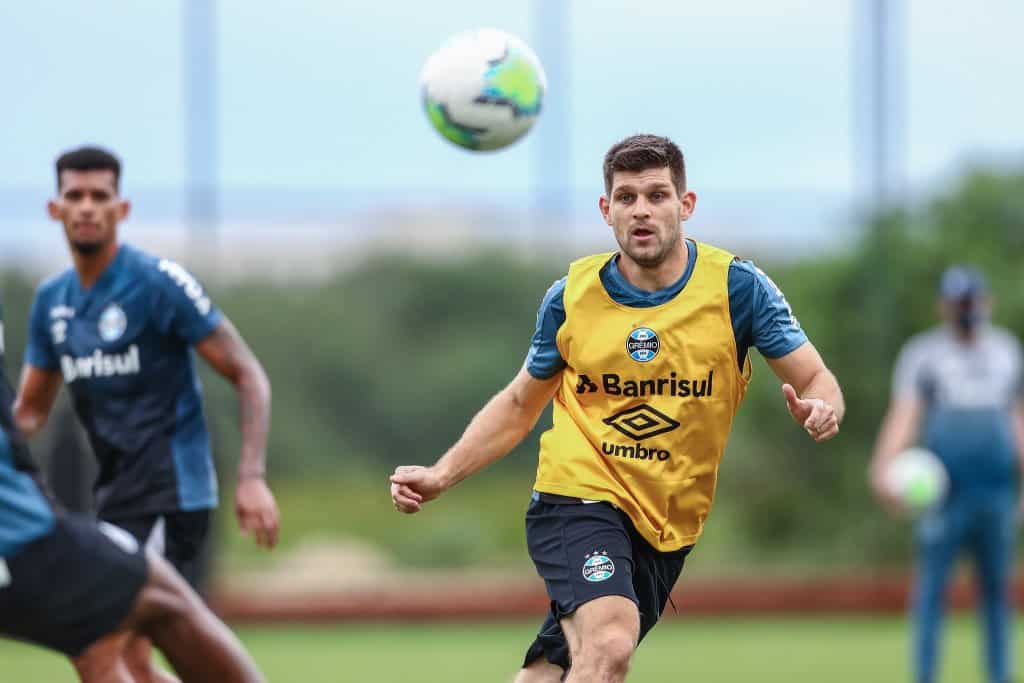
645	211
966	315
90	208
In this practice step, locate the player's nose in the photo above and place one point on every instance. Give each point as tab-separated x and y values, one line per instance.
641	208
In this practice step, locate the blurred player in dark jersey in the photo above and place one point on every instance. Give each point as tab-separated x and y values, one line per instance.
84	588
119	328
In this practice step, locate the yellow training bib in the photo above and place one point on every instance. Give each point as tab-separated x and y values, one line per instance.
647	399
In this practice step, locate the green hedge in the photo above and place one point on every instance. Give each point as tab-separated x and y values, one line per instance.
384	364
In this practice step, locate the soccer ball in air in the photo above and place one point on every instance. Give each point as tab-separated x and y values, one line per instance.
483	89
918	479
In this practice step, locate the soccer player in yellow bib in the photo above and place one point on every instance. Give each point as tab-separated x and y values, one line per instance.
644	351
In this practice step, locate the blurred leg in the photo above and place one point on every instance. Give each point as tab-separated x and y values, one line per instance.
103	662
179	538
993	553
138	655
937	545
199	647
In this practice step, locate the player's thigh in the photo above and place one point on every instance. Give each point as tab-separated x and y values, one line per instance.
165	598
605	624
71	588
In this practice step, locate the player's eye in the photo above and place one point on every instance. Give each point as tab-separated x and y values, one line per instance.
657	196
73	195
626	197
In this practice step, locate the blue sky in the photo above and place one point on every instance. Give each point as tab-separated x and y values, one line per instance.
323	94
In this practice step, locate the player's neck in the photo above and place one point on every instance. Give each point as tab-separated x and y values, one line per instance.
651	279
92	265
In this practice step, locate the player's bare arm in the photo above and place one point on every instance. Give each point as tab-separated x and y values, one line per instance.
36	394
498	428
812	392
899	432
230	356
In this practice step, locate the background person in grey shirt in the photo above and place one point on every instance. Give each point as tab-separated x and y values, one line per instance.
958	391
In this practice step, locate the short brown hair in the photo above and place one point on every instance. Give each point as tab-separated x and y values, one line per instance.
642	152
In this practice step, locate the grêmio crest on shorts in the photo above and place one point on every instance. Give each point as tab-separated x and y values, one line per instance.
647	400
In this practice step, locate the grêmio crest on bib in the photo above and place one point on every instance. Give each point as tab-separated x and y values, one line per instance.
643	344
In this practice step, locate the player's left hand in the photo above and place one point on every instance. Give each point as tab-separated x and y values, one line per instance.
257	512
817	417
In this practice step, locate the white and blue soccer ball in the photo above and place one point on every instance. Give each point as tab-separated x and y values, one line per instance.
918	479
483	89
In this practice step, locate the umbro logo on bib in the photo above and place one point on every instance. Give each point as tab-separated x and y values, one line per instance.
641	422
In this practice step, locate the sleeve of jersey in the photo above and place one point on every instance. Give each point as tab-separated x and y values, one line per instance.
907	379
544	360
183	306
762	317
39	351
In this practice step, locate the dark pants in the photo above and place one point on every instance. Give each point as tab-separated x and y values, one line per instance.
986	527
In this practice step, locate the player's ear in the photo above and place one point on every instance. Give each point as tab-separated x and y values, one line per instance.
124	207
602	203
53	208
688	202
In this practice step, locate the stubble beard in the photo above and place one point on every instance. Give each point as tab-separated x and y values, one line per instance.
86	248
659	257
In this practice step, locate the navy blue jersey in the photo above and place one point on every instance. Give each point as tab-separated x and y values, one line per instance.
761	316
25	513
124	347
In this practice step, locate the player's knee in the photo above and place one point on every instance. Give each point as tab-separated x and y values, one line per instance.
611	650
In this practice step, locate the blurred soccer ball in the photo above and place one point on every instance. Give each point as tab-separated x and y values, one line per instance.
918	479
483	89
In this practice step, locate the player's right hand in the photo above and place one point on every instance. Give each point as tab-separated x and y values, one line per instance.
413	485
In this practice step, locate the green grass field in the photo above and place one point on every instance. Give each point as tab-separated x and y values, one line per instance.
837	650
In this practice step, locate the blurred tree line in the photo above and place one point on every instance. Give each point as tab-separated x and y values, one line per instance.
385	363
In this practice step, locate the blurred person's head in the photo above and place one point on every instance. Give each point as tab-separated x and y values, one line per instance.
88	201
964	301
646	200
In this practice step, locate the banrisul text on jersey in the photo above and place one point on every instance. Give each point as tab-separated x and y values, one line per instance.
646	400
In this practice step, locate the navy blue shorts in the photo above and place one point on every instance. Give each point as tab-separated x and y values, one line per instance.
72	587
180	537
585	551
